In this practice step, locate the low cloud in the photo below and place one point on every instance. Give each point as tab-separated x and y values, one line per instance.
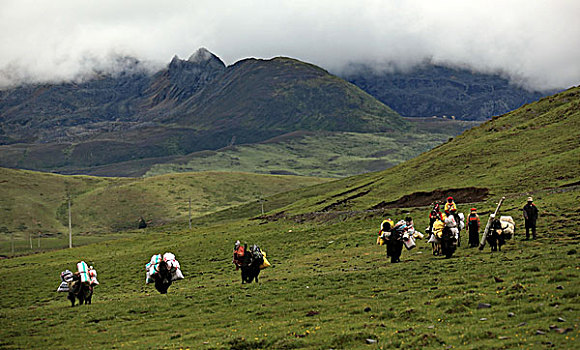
533	43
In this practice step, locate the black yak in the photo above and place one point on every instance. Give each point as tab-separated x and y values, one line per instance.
495	237
162	278
83	291
248	261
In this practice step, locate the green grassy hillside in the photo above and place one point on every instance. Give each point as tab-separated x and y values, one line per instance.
33	203
330	285
324	154
535	147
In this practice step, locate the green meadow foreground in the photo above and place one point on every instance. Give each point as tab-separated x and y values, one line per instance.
330	285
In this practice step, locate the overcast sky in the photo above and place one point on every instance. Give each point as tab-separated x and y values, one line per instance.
536	42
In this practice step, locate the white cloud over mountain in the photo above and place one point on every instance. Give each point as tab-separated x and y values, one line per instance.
532	42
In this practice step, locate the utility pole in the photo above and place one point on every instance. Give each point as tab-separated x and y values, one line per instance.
190	213
262	203
69	225
12	241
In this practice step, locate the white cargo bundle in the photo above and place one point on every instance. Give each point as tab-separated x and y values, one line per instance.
177	275
434	239
455	232
152	267
450	221
66	277
409	241
507	219
507	224
172	264
83	269
461	221
63	287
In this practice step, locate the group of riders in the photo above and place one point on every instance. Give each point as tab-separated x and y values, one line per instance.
443	232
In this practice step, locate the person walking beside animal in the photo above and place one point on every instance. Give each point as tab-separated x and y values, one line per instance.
385	234
530	217
473	227
436	235
433	216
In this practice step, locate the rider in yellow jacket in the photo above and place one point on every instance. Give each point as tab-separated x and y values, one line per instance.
450	205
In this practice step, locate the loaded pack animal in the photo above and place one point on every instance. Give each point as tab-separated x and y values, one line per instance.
495	238
162	270
444	236
248	261
448	243
163	278
83	291
395	242
79	285
392	235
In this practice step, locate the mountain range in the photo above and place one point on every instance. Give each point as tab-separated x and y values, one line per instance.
192	105
436	90
124	123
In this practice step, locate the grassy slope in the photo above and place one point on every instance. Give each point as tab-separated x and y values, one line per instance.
534	147
327	154
326	272
33	202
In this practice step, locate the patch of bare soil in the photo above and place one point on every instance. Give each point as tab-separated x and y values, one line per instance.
421	199
417	199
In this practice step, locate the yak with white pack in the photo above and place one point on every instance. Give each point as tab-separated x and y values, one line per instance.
163	270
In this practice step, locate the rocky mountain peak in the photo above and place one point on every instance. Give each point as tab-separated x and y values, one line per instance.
204	57
175	59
